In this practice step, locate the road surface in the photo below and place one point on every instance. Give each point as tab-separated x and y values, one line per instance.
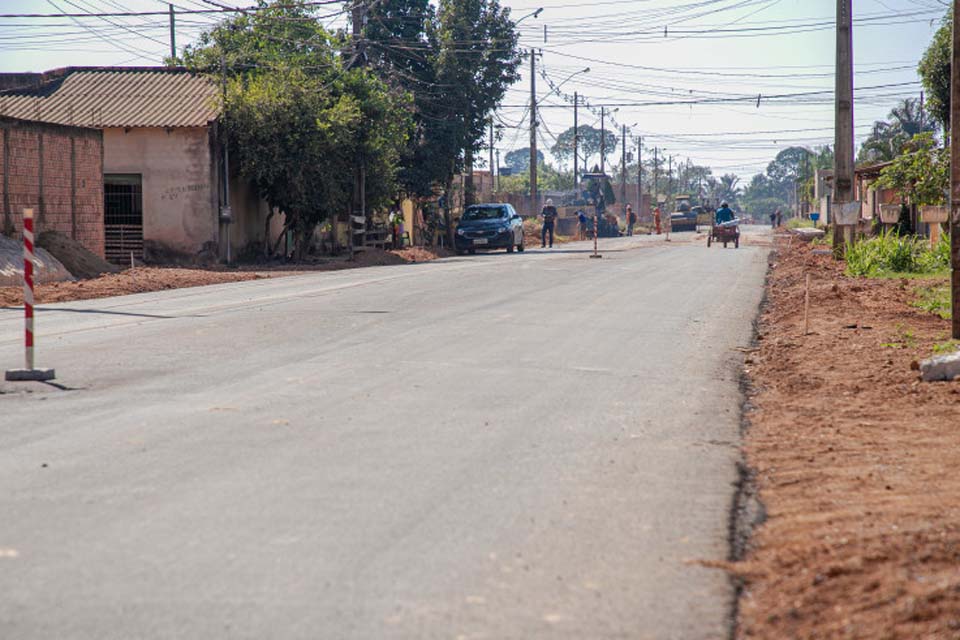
522	446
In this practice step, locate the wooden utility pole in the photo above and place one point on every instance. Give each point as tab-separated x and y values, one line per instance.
533	134
955	173
173	35
656	178
492	170
843	163
576	141
639	176
603	137
623	171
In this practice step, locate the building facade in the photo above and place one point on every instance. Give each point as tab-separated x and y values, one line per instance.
163	181
57	171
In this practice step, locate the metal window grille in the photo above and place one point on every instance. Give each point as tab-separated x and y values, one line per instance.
123	217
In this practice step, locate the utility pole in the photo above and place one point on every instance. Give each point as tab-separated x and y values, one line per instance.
226	215
603	137
497	183
492	170
357	14
843	144
670	183
576	141
656	178
173	35
534	200
955	173
639	176
623	171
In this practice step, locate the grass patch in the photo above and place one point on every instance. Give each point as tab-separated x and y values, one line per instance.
935	299
890	254
799	223
944	348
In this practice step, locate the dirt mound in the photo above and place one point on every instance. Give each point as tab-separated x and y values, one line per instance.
855	461
46	267
81	262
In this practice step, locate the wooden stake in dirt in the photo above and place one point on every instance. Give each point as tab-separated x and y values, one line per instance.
596	230
955	173
806	307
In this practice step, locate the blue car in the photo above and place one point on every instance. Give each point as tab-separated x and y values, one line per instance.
489	226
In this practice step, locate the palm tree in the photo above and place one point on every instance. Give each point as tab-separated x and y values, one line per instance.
888	138
727	189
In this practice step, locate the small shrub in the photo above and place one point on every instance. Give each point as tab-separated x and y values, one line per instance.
889	253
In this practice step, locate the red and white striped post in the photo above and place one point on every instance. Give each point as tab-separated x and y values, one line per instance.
29	373
596	234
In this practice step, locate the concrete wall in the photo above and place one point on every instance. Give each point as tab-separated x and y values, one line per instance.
180	196
58	171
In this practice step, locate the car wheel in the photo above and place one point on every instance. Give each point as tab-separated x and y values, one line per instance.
472	252
709	240
521	247
736	242
510	248
460	252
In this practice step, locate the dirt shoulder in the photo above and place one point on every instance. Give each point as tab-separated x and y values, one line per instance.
145	279
855	461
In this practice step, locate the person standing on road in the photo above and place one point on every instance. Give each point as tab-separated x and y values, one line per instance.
773	218
582	220
631	219
549	215
779	218
656	218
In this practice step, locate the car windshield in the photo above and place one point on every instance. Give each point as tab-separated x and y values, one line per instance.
485	213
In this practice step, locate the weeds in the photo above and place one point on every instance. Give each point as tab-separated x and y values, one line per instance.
935	299
890	253
943	348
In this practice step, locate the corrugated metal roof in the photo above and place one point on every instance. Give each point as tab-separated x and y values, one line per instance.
117	97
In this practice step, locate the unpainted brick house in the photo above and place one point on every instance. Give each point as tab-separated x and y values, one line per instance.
57	171
163	180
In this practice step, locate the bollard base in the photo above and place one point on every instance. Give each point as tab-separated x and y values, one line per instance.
596	255
29	375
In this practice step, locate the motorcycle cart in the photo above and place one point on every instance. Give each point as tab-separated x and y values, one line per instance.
725	232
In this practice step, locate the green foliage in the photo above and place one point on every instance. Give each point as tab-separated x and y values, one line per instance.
889	253
889	138
519	159
921	174
934	70
588	143
799	223
949	346
297	120
935	299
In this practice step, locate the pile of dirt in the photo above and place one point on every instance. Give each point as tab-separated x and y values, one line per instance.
143	279
81	262
855	461
46	267
139	280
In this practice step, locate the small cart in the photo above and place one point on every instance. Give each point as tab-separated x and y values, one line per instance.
725	232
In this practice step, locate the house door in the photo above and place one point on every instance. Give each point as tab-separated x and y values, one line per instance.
123	217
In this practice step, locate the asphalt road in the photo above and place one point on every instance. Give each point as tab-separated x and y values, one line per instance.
501	446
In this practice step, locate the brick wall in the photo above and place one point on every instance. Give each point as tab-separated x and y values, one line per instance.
58	171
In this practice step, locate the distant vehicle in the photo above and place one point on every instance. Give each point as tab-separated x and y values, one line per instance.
489	226
685	217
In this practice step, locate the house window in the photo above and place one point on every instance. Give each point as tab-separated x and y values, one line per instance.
123	217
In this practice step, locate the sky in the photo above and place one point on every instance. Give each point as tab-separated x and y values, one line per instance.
648	59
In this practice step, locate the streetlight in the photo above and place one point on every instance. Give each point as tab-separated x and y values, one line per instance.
569	78
534	14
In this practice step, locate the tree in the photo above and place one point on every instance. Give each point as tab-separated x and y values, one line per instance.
727	189
934	70
476	60
588	143
519	159
888	138
921	175
298	119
